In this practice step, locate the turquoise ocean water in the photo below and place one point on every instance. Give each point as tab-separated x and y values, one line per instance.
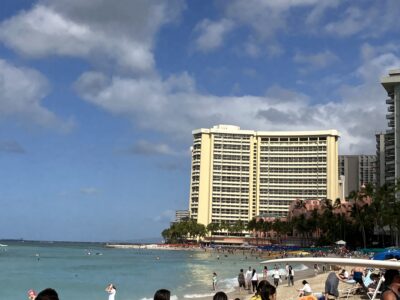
76	274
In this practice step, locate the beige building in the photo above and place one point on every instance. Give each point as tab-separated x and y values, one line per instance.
239	174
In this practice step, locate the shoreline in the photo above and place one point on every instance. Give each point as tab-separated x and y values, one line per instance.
285	292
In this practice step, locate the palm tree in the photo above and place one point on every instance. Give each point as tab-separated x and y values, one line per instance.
212	228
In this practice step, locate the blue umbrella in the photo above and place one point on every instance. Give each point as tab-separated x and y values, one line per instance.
388	254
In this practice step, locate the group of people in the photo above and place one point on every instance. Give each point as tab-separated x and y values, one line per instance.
250	281
389	291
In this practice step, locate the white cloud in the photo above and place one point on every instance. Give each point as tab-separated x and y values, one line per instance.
316	61
212	34
152	104
369	18
21	93
268	19
99	31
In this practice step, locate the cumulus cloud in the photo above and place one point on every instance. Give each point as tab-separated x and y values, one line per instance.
266	19
99	30
21	93
164	106
11	147
366	19
211	34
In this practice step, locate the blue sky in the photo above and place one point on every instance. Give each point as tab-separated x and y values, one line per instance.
98	98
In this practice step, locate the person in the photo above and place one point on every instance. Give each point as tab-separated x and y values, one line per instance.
332	283
111	290
241	281
306	290
31	295
162	294
358	276
265	273
265	291
316	269
290	276
287	271
276	276
47	294
392	285
248	276
343	274
254	280
214	281
220	296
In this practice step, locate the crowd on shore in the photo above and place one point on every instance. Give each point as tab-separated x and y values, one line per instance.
267	285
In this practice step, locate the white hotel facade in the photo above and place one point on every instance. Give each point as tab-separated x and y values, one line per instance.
239	174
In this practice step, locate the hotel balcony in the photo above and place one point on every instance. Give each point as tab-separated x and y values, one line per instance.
391	123
390	101
390	108
390	116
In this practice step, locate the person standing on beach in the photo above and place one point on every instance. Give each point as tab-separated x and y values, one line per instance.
265	273
254	280
287	271
241	281
214	281
111	290
248	276
290	276
316	269
332	284
276	276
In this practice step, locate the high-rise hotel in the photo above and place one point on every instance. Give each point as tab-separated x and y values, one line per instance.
239	174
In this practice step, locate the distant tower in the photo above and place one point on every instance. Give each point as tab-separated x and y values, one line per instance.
380	159
391	84
358	171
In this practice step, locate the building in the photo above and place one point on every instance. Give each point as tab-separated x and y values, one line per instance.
380	165
391	84
181	215
358	170
239	174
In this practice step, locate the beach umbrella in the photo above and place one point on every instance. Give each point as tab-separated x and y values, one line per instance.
341	242
388	254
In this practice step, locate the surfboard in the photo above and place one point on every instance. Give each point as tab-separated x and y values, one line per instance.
383	264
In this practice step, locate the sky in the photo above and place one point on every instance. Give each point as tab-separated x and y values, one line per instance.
98	98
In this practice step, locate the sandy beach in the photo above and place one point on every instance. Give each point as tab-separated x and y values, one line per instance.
285	292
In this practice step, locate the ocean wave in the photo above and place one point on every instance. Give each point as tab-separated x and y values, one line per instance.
226	285
193	296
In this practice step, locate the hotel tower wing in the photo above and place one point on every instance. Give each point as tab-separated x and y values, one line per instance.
239	174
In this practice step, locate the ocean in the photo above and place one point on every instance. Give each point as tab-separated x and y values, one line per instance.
82	271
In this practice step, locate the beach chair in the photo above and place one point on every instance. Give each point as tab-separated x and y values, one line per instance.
377	291
351	290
